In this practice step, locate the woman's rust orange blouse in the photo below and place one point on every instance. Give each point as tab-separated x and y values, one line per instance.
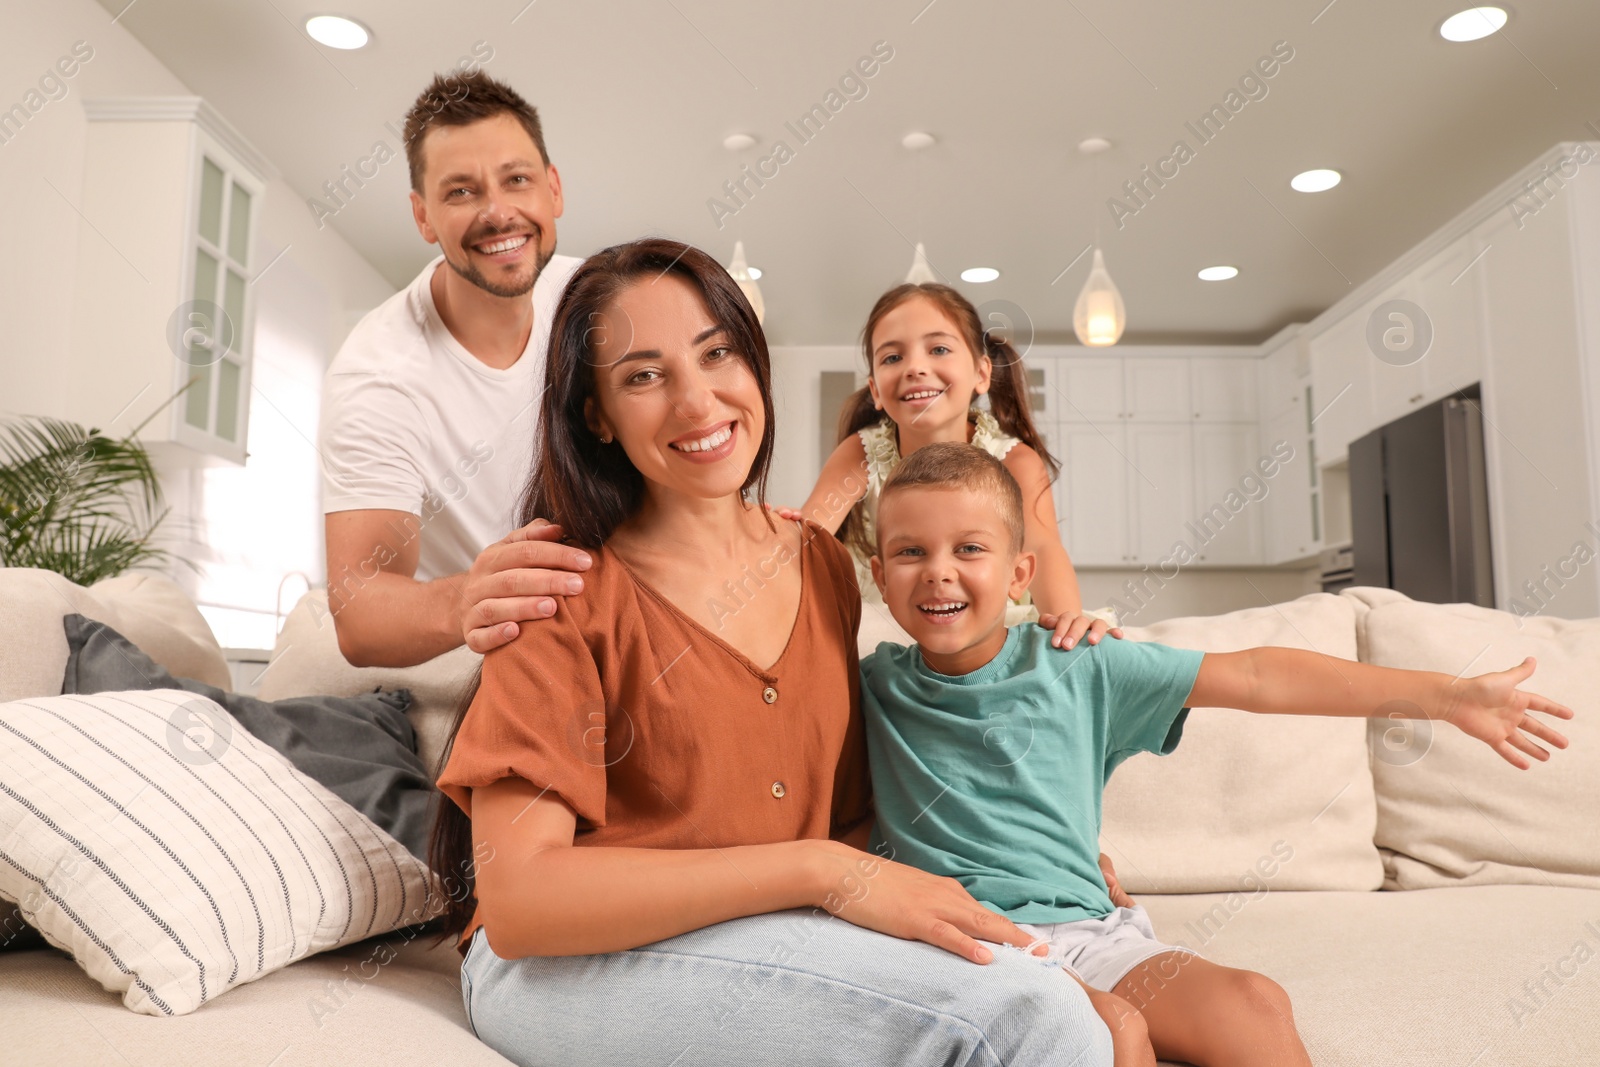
661	735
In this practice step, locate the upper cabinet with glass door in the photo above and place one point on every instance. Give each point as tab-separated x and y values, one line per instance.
164	314
216	338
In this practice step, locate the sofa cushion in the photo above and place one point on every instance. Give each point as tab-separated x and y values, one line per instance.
383	1002
306	660
138	596
149	610
1249	799
1490	976
175	856
361	748
1451	811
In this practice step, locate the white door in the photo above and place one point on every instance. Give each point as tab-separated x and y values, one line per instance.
1448	289
1160	473
1341	387
1090	389
1092	493
1158	390
1287	525
1228	494
1397	376
1225	390
1278	381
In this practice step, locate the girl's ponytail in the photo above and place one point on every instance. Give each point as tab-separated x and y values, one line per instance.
858	413
1008	396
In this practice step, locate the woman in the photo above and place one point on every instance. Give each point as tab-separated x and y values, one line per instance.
667	792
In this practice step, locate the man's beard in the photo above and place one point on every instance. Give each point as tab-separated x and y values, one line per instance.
472	274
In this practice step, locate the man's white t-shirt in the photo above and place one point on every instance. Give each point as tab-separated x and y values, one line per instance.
412	421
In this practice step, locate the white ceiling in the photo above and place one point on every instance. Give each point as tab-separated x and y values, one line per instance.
637	96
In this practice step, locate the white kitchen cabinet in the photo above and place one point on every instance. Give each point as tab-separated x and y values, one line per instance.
1157	390
1092	492
1289	519
1091	389
1283	372
1225	390
1150	389
1341	386
1450	289
1161	487
166	176
1228	494
1397	389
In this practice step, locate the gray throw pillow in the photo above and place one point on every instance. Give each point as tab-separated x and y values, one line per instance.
362	749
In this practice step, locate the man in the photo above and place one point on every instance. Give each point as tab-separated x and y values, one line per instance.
430	407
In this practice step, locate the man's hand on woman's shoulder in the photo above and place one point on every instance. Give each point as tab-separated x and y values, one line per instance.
516	580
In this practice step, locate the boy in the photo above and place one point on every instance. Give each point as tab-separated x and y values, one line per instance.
990	751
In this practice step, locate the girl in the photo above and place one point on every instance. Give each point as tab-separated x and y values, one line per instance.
663	796
928	357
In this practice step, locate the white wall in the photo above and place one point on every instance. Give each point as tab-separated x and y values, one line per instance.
267	512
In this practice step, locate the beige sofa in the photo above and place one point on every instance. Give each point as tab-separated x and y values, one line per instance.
1422	903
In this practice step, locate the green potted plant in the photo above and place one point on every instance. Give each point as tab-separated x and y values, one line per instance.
75	501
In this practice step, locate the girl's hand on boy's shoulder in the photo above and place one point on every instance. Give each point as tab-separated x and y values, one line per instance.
1070	629
1492	709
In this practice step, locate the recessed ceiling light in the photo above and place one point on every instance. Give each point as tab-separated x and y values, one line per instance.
1473	24
755	272
979	274
738	142
1092	146
335	31
1315	181
917	140
1218	274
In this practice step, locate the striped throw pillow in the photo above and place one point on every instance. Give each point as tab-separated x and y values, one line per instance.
175	856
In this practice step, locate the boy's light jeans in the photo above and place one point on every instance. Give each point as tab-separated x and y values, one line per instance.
796	988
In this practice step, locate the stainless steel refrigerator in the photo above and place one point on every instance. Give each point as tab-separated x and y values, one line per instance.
1419	505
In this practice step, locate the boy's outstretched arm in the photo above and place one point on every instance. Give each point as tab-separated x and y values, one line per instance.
1290	681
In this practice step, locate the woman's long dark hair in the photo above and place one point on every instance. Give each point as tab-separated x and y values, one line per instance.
1008	385
588	488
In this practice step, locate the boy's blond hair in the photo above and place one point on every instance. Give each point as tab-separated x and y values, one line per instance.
954	465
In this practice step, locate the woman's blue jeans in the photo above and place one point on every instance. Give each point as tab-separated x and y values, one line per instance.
789	989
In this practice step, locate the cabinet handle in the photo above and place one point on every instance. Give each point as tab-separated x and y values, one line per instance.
1414	399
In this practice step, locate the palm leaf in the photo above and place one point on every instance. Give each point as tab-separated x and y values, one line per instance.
75	501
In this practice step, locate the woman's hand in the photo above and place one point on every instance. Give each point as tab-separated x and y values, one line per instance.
1114	890
1068	629
901	901
1491	708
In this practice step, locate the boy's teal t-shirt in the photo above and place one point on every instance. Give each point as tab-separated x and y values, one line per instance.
995	777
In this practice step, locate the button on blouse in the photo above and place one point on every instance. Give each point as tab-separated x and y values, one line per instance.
639	718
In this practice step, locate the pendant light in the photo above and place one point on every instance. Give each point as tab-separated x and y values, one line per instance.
921	270
921	273
739	271
1099	317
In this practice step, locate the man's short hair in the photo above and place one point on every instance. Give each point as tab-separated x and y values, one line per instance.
953	465
459	99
